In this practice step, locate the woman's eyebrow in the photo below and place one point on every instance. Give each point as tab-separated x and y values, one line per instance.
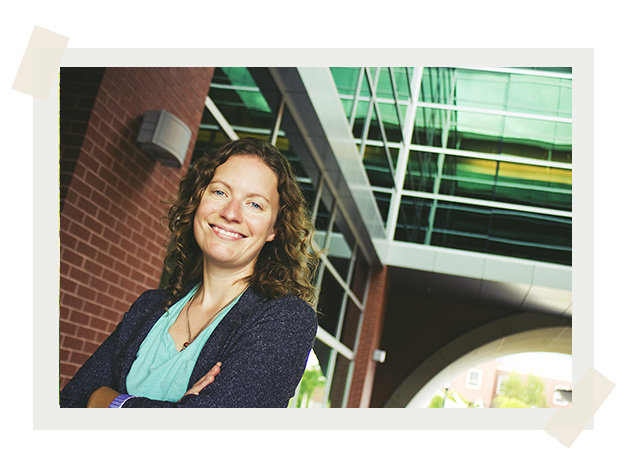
247	195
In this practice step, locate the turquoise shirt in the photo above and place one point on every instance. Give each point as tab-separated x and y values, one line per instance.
160	372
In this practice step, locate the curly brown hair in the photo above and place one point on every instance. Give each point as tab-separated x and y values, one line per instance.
284	266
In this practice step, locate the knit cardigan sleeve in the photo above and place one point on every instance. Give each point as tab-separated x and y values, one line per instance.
104	367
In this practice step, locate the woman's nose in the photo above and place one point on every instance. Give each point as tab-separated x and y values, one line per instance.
232	211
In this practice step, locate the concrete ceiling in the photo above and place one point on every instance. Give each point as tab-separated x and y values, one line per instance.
521	285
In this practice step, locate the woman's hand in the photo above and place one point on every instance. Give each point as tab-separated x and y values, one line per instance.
102	398
204	381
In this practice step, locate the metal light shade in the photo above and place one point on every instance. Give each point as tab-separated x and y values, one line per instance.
164	137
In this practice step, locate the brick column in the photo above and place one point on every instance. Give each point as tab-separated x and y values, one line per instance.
112	242
369	340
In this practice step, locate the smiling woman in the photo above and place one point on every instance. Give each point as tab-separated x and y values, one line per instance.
235	325
236	214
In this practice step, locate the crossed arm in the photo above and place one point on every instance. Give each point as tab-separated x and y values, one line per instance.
104	396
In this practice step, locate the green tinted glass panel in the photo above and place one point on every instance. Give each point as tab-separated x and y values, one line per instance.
468	177
347	106
403	82
539	95
509	129
341	246
412	223
430	118
210	134
236	76
421	171
389	116
428	127
330	303
507	182
382	201
346	79
377	166
481	89
283	145
520	148
437	86
479	123
374	131
524	227
384	89
365	87
322	219
493	231
242	108
534	186
359	120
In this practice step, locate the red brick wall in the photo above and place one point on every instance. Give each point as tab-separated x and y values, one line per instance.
371	330
79	88
112	242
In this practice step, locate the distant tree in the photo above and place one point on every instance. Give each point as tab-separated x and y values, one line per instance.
520	394
437	400
503	401
311	379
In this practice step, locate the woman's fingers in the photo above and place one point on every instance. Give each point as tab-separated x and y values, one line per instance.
210	376
206	380
214	370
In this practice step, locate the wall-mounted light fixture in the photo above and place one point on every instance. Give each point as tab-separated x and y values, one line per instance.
164	137
379	355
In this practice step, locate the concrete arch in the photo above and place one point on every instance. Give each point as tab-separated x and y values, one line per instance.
514	334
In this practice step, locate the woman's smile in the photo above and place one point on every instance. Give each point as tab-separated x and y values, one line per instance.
226	234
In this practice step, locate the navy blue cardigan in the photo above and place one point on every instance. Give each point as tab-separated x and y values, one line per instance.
263	345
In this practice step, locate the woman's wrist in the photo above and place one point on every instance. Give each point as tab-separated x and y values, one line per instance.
119	401
102	397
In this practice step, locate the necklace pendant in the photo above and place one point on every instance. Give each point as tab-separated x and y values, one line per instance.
185	345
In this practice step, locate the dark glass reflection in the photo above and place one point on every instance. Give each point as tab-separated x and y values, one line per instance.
382	201
377	166
330	302
413	219
341	246
494	231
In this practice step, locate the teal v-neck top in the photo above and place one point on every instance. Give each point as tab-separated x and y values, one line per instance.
160	372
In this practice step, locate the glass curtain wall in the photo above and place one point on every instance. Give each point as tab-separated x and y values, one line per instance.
238	107
466	158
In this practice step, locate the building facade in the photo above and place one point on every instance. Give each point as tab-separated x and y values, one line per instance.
481	385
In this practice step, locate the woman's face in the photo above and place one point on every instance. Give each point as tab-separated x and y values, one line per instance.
237	213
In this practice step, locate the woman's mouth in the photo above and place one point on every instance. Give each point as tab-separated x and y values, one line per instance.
226	233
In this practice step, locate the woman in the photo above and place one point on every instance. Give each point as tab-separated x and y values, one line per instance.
235	325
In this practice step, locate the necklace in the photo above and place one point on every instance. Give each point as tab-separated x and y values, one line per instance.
208	322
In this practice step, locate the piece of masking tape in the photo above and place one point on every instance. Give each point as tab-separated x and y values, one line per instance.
40	63
588	395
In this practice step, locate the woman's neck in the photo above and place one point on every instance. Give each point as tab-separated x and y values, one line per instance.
220	287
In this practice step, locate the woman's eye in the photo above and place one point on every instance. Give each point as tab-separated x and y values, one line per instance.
219	192
255	205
